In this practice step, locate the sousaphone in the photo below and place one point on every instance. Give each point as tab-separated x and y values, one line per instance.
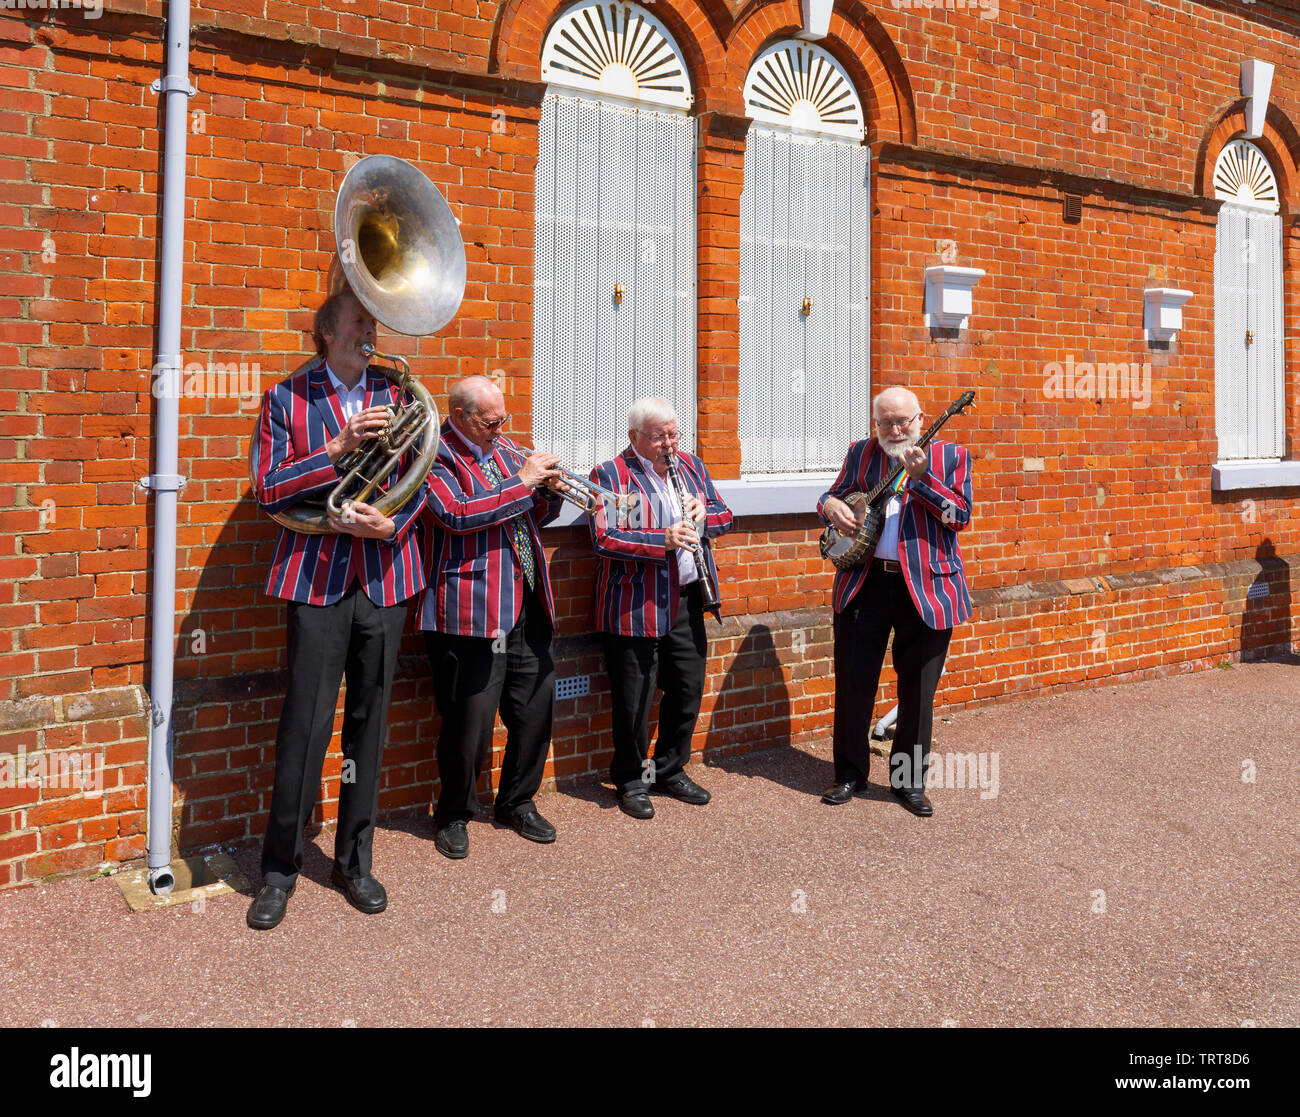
400	251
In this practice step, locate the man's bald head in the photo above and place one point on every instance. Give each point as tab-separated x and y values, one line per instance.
474	394
895	398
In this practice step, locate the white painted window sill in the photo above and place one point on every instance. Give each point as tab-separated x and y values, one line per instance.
767	495
1273	474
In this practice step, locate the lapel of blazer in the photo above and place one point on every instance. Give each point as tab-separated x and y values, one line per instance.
636	474
323	397
459	445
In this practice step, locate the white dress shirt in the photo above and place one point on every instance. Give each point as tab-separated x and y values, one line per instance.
351	400
887	546
671	513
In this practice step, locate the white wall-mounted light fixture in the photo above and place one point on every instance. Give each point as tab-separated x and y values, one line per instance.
1256	81
949	295
816	19
1163	312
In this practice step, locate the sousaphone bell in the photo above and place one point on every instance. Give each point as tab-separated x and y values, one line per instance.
400	250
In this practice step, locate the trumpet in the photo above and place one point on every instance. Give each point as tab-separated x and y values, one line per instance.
582	492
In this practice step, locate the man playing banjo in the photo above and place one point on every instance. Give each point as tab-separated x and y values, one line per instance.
913	584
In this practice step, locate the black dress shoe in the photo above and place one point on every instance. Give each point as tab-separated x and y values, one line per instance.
268	909
364	893
682	787
840	793
637	804
530	824
914	801
452	840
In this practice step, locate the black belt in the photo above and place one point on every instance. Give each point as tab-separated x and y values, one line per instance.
889	566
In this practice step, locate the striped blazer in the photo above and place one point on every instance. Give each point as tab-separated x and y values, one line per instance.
934	510
637	580
299	416
475	582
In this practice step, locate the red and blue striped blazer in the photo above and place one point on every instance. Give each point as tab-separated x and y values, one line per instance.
934	510
636	583
299	416
476	585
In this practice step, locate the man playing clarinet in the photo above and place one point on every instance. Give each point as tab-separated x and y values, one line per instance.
655	582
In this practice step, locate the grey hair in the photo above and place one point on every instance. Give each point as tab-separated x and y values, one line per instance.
895	390
468	393
647	410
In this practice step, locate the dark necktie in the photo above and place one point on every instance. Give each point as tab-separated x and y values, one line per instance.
523	543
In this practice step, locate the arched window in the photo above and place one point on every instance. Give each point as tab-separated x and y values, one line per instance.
804	264
1248	371
614	305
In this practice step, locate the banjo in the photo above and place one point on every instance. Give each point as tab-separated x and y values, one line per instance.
847	551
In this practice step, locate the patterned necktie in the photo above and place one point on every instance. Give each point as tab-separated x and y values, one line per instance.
523	543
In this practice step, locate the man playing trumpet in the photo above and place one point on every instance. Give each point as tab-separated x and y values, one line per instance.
655	582
488	615
346	594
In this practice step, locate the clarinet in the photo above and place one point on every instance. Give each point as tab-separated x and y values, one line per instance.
708	592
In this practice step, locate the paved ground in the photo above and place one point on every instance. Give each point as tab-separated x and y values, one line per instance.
767	907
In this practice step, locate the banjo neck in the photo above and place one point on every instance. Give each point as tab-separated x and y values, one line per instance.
887	483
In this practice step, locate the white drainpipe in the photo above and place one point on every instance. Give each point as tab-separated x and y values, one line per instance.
165	482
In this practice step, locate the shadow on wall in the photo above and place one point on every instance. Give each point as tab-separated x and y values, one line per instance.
230	685
1266	620
756	679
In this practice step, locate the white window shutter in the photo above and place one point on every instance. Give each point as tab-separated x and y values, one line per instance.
804	233
615	205
1249	376
1265	390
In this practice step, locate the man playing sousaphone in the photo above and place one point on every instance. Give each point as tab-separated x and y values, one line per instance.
347	592
913	584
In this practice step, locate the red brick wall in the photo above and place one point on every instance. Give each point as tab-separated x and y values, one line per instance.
1112	558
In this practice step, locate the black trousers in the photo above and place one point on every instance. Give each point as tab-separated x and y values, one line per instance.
358	639
473	678
676	663
861	636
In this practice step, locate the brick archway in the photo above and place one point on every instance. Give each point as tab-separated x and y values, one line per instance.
698	26
1280	144
858	42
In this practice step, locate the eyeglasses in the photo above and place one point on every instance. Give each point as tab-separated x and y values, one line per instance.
896	424
494	425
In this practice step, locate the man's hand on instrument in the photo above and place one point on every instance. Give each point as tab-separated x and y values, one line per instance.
695	510
680	534
366	423
539	469
917	461
840	516
363	521
557	485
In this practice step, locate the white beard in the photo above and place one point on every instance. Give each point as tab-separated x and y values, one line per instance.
896	448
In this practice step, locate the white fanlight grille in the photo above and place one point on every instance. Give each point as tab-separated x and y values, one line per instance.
618	50
1243	177
799	85
614	307
1248	334
804	234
